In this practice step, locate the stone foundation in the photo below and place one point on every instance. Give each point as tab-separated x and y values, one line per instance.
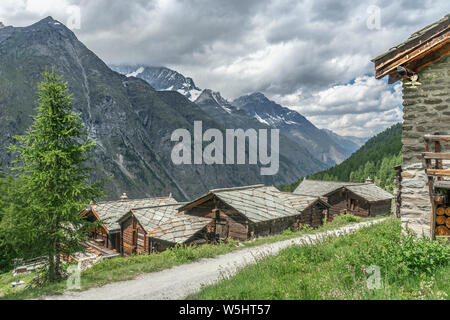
415	210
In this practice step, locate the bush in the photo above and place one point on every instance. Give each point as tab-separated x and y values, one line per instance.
422	255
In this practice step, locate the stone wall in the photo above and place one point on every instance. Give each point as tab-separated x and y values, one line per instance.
426	111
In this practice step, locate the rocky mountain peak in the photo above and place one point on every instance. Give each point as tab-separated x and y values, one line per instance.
214	96
161	79
50	28
2	25
256	97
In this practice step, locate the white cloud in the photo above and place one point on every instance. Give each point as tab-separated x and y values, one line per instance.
361	108
303	54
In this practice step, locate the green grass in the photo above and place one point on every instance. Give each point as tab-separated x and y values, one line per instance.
120	269
410	268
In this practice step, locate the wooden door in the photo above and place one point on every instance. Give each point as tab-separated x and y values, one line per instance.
222	230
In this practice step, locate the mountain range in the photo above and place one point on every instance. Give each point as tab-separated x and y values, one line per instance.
324	145
131	116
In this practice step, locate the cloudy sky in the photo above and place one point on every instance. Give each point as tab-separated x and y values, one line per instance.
312	56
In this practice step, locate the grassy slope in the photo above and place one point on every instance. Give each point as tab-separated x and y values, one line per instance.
120	269
334	269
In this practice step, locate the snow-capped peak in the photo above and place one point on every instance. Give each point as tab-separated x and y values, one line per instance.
215	97
162	79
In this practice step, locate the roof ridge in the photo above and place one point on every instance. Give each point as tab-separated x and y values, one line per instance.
340	182
297	194
238	188
158	206
128	200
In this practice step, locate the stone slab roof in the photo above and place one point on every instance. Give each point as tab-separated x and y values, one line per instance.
258	203
179	228
423	47
302	202
319	188
370	192
109	212
416	36
152	217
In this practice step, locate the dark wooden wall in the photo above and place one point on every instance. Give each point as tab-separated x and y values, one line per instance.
157	245
133	237
380	208
346	201
313	215
338	202
227	222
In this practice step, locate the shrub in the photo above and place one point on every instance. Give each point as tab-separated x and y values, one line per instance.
422	255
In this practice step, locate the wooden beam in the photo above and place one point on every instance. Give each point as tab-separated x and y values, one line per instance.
430	137
422	48
436	155
438	172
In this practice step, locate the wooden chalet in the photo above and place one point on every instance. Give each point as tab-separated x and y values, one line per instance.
246	212
154	229
109	212
359	199
312	210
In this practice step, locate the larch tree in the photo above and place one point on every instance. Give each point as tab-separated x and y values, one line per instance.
54	188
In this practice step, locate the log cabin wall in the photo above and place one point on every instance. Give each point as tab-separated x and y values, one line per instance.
313	216
133	237
318	215
227	223
338	202
271	227
342	201
357	205
380	208
155	245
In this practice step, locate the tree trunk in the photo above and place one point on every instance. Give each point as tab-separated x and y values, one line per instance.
57	252
51	256
51	264
57	259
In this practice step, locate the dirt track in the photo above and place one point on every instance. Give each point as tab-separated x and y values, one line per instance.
180	281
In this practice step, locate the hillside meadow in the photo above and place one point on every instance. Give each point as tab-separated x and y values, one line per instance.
346	268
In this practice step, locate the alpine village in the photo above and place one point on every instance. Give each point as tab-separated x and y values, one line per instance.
104	189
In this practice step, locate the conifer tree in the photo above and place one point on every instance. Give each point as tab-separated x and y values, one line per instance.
51	167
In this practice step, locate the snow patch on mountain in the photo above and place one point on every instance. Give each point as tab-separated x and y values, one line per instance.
135	73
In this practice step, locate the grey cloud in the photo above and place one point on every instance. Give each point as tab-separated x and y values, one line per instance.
281	48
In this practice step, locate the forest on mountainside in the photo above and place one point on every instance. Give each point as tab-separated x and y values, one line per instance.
375	159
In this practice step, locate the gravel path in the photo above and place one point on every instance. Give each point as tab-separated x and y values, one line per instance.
180	281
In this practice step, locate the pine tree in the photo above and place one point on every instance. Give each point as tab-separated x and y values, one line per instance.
53	177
